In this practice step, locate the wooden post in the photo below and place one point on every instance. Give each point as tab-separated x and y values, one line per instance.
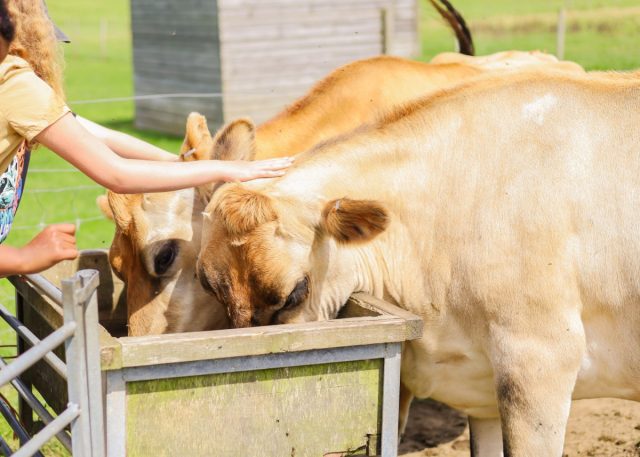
560	37
104	27
387	14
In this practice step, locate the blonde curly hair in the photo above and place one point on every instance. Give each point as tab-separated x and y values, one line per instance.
35	41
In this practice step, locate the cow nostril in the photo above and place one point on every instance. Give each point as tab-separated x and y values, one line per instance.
255	322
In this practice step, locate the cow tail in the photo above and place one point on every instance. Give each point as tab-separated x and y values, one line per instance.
457	23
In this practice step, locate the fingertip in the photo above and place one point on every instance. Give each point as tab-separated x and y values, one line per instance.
66	228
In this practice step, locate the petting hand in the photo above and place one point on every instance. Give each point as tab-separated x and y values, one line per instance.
240	170
55	243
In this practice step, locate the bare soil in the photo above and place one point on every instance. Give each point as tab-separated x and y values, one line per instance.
597	428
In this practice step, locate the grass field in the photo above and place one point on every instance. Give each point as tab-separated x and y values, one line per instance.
600	35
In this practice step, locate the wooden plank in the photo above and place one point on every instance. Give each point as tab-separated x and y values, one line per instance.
162	31
319	61
48	310
309	42
150	56
210	75
179	111
187	40
254	7
302	15
415	323
146	85
346	29
183	14
182	7
245	84
254	89
172	348
274	412
172	124
110	351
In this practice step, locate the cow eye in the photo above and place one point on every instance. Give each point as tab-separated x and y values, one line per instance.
298	295
165	257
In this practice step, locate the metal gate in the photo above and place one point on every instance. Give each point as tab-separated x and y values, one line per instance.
80	426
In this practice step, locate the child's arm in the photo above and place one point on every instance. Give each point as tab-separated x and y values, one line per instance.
125	145
67	138
53	244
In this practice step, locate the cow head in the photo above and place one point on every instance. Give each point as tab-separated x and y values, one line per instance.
157	240
272	258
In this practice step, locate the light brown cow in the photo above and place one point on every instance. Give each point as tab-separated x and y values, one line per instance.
504	212
157	235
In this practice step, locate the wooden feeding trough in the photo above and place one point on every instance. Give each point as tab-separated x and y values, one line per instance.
251	58
288	390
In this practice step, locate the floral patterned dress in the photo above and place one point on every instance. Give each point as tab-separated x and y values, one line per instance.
12	183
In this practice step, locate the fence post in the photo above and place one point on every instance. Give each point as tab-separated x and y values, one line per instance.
83	363
388	29
561	31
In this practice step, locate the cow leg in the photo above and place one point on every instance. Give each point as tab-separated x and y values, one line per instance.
535	372
485	437
406	397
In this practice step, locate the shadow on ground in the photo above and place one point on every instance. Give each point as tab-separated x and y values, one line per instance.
430	424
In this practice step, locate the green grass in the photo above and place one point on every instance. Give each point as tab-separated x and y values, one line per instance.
598	39
602	34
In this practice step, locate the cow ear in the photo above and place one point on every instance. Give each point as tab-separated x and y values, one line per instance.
103	203
122	208
235	141
354	221
197	144
241	210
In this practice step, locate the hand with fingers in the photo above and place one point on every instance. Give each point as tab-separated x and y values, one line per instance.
240	170
52	245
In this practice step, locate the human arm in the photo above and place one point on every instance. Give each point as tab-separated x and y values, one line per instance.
125	145
55	243
67	138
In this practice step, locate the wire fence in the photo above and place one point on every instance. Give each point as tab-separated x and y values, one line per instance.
148	97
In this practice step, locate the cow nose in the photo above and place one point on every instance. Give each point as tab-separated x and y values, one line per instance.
255	322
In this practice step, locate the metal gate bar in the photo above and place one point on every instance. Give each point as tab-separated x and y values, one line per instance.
27	336
44	435
36	353
79	305
34	404
14	423
4	447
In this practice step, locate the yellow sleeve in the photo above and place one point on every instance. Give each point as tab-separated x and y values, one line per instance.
30	105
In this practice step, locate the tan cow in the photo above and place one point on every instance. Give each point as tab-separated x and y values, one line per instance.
157	235
504	212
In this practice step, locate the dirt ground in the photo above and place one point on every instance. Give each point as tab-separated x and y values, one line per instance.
597	428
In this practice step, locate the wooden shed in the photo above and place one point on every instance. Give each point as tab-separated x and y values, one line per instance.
252	57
